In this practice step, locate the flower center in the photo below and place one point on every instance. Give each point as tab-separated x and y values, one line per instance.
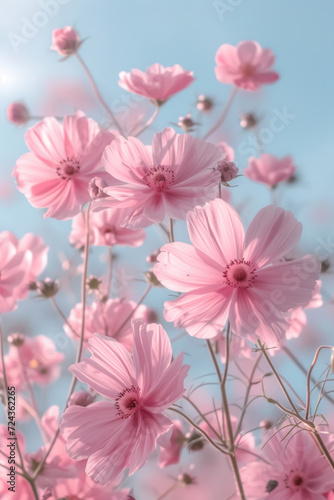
295	479
248	70
240	273
128	402
159	177
68	168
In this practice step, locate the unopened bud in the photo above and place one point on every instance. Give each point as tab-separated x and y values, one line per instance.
186	479
266	424
95	188
325	265
196	442
152	258
33	286
47	288
93	283
18	113
152	279
65	41
248	120
186	123
228	171
292	179
204	103
81	398
16	339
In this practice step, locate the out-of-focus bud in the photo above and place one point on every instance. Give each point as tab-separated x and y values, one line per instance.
47	288
196	442
228	171
152	258
81	398
46	494
18	113
33	286
292	180
93	283
266	424
65	41
204	103
152	279
16	339
186	123
248	120
95	188
325	265
186	479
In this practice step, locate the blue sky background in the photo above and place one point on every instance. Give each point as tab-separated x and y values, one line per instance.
121	35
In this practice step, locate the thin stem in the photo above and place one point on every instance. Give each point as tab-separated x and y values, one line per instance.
204	418
142	298
308	391
110	262
62	315
219	190
98	93
224	114
149	122
171	231
80	347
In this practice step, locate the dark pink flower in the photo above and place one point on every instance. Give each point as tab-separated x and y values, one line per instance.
65	41
270	170
18	113
123	431
228	274
168	180
158	83
247	65
63	160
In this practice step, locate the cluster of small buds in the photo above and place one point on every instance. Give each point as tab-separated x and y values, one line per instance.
248	121
18	113
16	339
46	289
325	265
65	41
152	279
81	398
95	188
187	123
153	257
204	103
228	171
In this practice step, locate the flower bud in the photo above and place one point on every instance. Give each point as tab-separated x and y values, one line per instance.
228	171
93	283
152	279
186	123
186	479
195	442
95	188
16	339
18	113
204	103
81	398
152	258
248	120
47	288
325	265
65	41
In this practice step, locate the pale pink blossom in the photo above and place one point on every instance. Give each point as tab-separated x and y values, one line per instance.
65	41
270	170
123	431
18	113
295	470
247	65
53	471
105	229
171	454
107	318
227	274
13	265
158	83
63	159
228	150
166	181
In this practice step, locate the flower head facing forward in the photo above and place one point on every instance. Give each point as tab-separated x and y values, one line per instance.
158	83
123	431
230	274
63	159
247	65
170	179
270	170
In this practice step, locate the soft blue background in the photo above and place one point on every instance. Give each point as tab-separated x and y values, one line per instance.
121	35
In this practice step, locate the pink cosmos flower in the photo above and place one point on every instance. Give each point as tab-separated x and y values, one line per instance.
65	41
105	229
270	170
82	487
35	257
171	454
123	431
227	274
18	113
158	83
295	470
107	319
169	180
247	65
36	359
63	159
